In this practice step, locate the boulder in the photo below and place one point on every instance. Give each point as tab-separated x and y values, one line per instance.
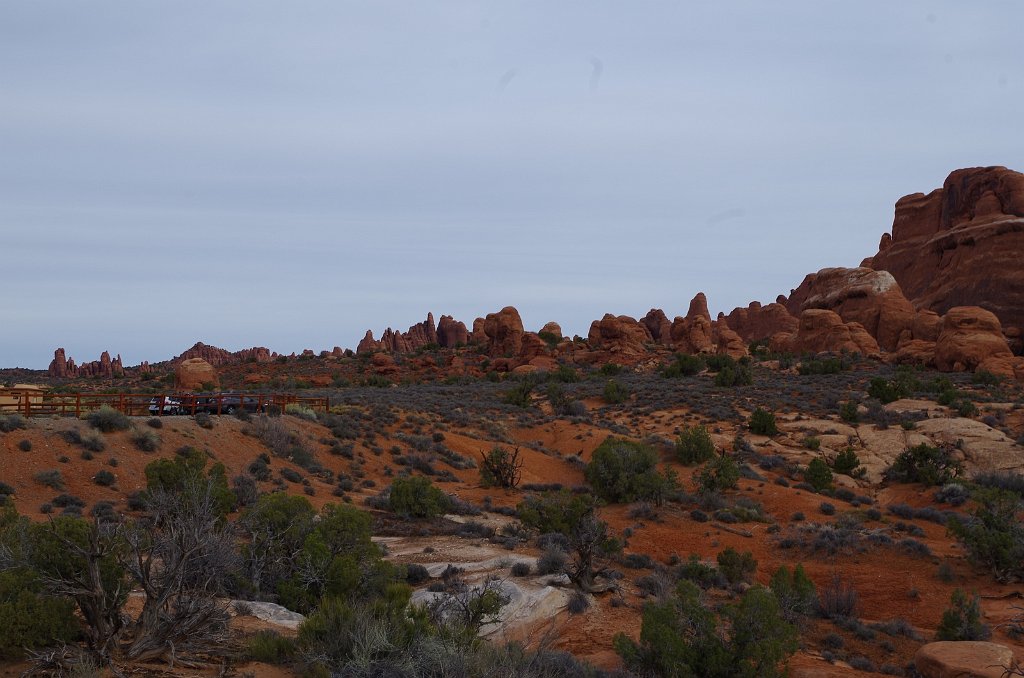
1009	366
962	659
532	346
552	328
193	373
961	245
969	336
861	295
824	331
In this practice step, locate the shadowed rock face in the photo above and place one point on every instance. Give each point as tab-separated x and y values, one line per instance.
961	245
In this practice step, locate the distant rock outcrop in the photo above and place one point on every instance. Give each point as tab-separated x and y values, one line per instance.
970	335
961	245
822	331
451	332
692	334
502	332
862	295
393	341
622	337
658	324
194	373
62	367
219	356
757	322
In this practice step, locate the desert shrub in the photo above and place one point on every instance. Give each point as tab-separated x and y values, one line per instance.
838	599
681	637
155	422
1008	481
245	490
521	569
610	369
25	445
848	464
738	375
622	471
827	508
615	392
719	361
694	445
416	574
52	479
812	443
887	391
552	561
270	647
721	473
578	603
735	566
795	592
520	395
565	375
416	497
291	475
300	411
108	419
848	412
555	512
103	478
923	464
184	471
818	475
147	441
762	422
12	422
821	366
992	535
500	468
204	420
28	618
683	365
962	619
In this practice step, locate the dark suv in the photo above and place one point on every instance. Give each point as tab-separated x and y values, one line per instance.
226	403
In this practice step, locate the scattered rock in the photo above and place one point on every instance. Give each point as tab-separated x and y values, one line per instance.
193	373
969	336
962	659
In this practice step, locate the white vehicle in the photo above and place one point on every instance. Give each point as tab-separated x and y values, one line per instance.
171	406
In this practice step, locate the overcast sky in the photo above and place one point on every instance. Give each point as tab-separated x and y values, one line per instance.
289	174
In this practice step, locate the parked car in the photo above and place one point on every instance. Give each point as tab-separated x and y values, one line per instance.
225	403
170	406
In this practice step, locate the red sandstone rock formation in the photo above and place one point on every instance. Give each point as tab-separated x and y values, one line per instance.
501	331
970	336
822	331
657	323
193	373
219	356
727	341
552	328
621	336
862	295
756	322
692	334
65	368
961	245
451	332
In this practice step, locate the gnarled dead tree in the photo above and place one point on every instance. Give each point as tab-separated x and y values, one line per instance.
180	555
501	468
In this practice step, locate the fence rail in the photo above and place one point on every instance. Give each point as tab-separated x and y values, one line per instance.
140	404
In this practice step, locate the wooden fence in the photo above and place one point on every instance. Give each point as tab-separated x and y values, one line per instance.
144	404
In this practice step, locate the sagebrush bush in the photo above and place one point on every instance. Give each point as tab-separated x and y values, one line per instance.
12	422
107	419
147	441
50	478
615	392
103	478
270	647
25	445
